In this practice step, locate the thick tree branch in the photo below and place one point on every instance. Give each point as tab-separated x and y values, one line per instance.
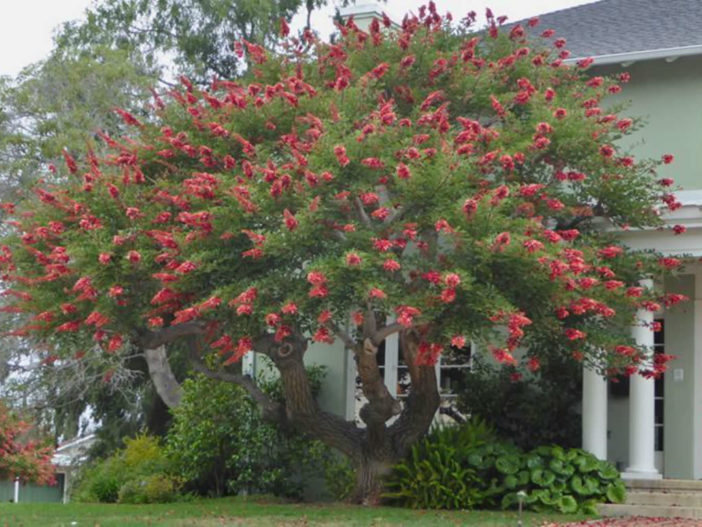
362	212
149	339
423	399
301	407
165	382
272	410
345	338
381	334
381	405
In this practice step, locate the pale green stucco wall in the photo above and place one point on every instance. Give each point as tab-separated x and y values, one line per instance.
668	96
333	397
678	397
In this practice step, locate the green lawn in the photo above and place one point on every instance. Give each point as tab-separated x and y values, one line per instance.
254	512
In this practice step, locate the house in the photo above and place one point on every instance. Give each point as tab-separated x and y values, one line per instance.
649	428
66	460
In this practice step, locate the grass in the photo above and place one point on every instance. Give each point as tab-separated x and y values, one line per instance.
252	511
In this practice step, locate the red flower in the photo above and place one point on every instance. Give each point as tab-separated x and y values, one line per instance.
380	70
323	335
448	295
574	334
115	291
104	258
668	159
289	309
134	256
669	262
70	162
290	221
71	326
452	280
284	28
156	322
406	314
470	206
272	319
391	265
606	151
186	267
407	61
610	252
459	341
115	343
316	278
353	259
403	171
341	157
377	293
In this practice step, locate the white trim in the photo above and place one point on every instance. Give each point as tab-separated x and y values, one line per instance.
361	10
650	54
75	442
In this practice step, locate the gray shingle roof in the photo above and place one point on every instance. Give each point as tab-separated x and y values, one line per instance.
624	26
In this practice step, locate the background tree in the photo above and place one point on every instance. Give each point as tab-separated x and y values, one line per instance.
197	35
22	457
430	182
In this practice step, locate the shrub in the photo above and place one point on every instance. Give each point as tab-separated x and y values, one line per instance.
220	444
155	488
138	473
538	409
466	467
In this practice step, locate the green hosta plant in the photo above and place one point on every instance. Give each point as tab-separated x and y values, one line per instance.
467	467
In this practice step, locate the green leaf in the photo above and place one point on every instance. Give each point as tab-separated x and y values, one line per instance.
567	504
616	492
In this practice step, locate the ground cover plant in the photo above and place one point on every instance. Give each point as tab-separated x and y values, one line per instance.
435	182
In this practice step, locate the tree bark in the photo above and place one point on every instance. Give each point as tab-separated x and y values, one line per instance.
301	407
370	474
167	386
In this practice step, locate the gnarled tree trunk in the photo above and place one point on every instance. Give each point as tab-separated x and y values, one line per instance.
166	384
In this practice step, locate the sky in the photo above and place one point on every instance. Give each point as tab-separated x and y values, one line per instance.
27	26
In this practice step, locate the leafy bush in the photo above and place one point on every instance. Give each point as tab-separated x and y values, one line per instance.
138	473
220	444
535	410
155	488
466	467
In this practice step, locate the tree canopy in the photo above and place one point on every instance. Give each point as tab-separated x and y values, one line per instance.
436	182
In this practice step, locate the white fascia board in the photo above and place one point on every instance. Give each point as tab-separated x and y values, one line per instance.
361	10
633	56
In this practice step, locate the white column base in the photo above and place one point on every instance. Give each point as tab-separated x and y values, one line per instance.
635	474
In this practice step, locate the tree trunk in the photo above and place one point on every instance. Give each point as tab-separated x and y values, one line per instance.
166	384
370	473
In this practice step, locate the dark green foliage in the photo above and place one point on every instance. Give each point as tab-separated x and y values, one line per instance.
534	410
220	444
466	467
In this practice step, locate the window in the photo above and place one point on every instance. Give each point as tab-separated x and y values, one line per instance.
450	370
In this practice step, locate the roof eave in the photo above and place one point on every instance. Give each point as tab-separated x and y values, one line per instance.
669	54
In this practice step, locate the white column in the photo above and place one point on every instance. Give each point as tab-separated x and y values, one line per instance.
642	406
16	498
594	413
